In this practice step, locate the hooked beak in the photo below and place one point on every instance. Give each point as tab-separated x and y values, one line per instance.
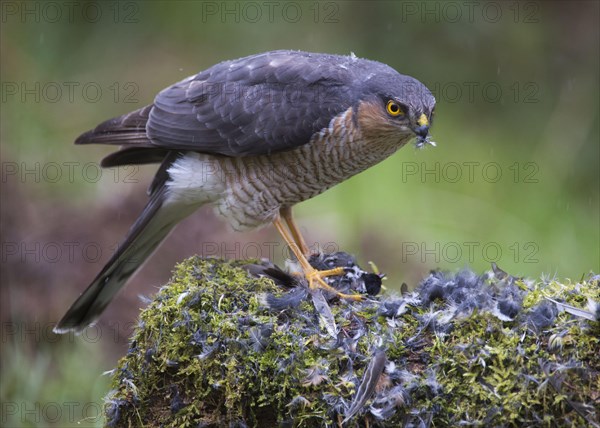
422	132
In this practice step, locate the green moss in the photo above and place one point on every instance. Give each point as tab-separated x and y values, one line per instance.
207	352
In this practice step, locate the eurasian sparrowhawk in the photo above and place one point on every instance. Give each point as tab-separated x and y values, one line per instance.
253	137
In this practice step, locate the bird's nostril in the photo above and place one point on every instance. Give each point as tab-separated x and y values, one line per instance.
422	131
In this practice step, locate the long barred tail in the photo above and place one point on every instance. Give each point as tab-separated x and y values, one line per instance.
154	224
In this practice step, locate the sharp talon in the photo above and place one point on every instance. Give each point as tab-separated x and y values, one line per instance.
353	297
315	281
331	272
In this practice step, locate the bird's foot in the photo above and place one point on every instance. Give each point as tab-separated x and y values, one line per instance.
316	280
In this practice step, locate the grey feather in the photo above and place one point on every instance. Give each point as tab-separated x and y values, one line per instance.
260	104
367	384
153	225
268	102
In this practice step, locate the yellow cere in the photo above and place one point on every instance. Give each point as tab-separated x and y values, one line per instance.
422	120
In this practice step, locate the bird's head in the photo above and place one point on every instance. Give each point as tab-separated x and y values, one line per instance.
396	105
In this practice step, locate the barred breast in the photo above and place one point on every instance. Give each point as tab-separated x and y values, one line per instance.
258	186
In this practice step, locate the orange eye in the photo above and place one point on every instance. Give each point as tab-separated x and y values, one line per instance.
394	109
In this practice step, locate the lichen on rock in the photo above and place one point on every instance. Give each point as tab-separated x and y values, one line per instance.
462	349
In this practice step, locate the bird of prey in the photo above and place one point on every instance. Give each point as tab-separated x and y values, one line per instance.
253	137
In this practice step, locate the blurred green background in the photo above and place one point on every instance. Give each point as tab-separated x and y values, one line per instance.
514	178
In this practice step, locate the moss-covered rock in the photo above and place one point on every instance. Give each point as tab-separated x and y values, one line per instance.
462	349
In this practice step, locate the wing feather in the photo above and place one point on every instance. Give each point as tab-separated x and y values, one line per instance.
259	104
255	105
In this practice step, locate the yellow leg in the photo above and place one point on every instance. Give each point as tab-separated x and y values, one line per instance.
314	277
286	214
